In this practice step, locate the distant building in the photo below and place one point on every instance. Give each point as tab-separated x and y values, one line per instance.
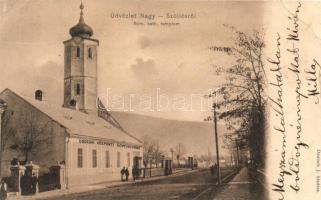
79	134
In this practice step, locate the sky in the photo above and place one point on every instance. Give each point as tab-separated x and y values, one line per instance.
153	70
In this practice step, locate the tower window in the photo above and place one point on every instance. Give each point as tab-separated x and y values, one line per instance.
78	89
78	52
90	53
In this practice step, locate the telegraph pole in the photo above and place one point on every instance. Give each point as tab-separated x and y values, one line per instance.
213	94
216	142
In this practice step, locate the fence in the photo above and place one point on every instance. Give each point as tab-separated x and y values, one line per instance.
151	172
48	181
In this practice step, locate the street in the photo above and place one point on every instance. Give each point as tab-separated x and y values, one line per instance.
198	185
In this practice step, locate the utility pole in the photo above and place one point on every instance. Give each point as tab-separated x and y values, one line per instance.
213	94
172	151
150	167
216	142
179	154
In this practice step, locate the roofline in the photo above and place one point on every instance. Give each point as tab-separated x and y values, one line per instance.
91	39
7	89
118	127
130	135
121	129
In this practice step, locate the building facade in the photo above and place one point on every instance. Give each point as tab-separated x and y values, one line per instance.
80	134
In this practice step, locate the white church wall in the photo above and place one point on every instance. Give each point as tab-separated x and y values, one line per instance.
88	174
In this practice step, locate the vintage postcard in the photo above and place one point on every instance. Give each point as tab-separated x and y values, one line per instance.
160	99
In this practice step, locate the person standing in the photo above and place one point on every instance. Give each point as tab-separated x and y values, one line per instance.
34	182
127	173
215	168
23	184
28	182
212	170
137	173
122	172
3	190
134	173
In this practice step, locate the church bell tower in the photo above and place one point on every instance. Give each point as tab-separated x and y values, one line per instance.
80	67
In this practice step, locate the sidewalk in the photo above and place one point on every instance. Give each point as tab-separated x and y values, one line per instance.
87	188
242	187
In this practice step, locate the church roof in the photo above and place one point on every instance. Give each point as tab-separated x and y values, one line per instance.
81	29
78	123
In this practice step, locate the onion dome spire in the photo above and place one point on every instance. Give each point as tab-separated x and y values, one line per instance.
81	8
81	29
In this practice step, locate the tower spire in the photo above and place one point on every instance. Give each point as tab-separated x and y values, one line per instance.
81	29
81	8
81	19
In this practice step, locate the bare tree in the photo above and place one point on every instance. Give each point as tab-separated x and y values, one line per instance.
149	149
243	93
158	153
8	130
180	151
28	134
152	151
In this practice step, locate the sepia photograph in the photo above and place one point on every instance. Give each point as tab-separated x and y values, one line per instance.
160	99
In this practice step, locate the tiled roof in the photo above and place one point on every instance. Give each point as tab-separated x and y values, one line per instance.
79	123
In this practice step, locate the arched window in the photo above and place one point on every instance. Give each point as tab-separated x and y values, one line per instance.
90	53
78	52
38	95
72	102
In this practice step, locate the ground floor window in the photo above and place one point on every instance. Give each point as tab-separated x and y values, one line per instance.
118	159
94	156
79	158
107	159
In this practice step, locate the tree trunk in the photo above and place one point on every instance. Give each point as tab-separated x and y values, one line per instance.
145	166
26	156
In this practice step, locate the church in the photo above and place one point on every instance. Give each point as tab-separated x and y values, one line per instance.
81	134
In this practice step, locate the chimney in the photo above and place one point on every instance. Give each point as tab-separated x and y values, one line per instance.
38	95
